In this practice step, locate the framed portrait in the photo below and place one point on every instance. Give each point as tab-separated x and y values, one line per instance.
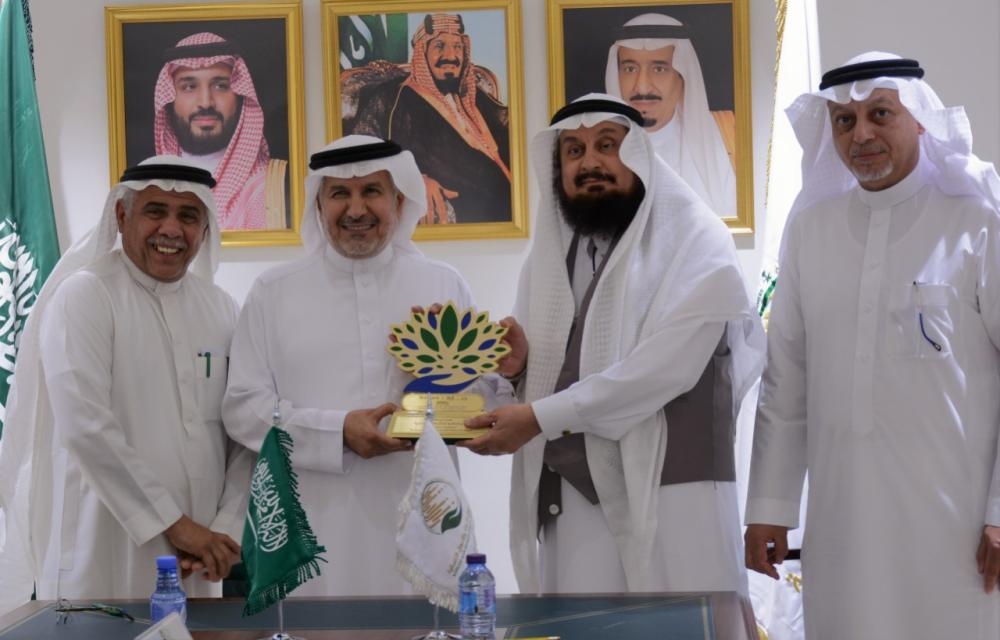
685	65
221	85
443	80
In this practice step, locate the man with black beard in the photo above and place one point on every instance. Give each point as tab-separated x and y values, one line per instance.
595	212
207	112
638	327
457	133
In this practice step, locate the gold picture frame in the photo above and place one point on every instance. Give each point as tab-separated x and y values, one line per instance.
371	88
585	31
259	101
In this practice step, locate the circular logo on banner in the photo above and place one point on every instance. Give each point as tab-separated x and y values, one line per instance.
440	506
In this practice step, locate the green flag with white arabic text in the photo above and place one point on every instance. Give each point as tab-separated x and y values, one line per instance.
29	247
280	551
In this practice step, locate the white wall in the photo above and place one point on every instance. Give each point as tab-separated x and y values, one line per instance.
70	67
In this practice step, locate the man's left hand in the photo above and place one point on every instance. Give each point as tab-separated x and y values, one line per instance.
215	551
513	425
189	564
988	557
363	437
514	362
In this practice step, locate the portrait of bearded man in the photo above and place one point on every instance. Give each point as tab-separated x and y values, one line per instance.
207	110
437	107
675	64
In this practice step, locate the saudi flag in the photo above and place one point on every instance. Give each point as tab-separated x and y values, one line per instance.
366	38
280	551
29	247
435	524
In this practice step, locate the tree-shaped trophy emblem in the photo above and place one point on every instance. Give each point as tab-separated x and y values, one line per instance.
446	352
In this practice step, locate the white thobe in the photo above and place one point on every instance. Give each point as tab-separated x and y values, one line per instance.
579	553
137	406
883	379
316	330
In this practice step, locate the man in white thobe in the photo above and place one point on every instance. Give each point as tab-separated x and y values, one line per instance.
312	339
653	66
115	451
883	376
639	326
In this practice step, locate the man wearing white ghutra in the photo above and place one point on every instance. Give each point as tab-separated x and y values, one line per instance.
883	376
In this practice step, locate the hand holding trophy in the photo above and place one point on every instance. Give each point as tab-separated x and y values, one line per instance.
446	352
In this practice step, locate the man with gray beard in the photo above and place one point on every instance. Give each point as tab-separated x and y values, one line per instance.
883	366
311	339
639	326
114	451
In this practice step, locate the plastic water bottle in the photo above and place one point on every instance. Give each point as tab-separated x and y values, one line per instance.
477	609
168	596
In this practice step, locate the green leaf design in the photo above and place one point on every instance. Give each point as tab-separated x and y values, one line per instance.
451	520
468	339
441	344
429	339
449	325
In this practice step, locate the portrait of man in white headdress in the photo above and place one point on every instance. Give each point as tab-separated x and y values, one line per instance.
647	56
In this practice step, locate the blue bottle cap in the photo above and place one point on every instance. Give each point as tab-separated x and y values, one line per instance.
166	562
476	558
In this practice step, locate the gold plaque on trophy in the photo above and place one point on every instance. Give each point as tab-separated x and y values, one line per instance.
446	352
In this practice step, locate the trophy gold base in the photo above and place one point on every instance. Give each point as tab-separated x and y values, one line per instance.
450	413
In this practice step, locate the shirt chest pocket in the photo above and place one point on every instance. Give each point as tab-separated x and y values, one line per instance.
922	321
210	373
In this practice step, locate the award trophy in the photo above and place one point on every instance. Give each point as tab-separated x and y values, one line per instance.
446	351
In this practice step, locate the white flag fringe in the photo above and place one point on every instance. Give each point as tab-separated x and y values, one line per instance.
435	523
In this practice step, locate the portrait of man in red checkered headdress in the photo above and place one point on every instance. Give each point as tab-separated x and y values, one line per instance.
207	110
436	107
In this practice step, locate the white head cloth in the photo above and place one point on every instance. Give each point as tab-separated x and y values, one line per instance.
945	145
26	447
703	153
405	176
647	277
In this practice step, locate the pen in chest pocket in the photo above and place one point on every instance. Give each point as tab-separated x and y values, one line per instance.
208	362
918	296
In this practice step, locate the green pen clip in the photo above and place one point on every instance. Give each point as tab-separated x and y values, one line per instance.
208	362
